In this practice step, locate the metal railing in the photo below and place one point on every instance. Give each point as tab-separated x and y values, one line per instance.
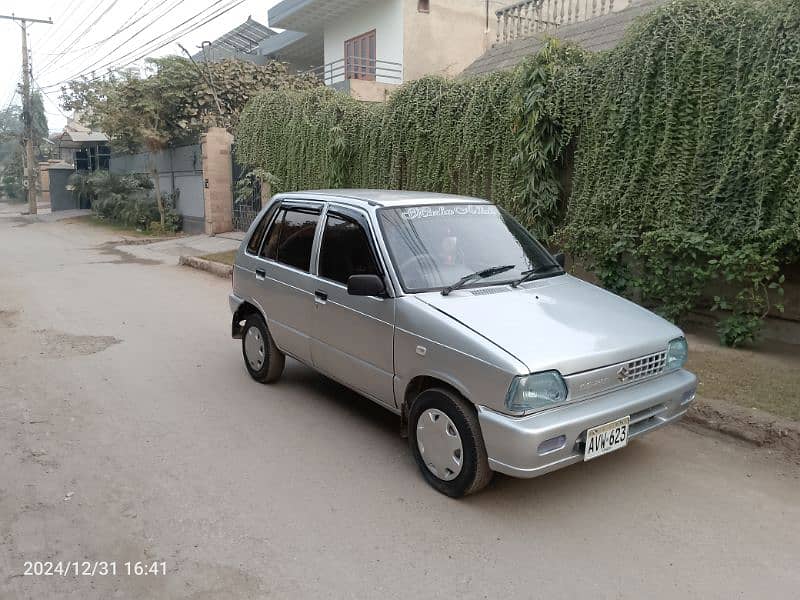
356	67
534	16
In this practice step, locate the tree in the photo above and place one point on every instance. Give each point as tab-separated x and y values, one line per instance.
173	103
11	145
183	95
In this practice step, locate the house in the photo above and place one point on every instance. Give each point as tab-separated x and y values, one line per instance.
367	47
240	43
81	147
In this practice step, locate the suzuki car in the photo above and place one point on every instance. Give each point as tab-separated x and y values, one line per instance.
446	311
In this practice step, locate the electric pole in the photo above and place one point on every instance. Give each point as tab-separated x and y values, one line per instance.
27	114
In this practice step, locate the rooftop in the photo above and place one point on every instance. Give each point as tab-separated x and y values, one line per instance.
244	39
81	136
385	198
309	15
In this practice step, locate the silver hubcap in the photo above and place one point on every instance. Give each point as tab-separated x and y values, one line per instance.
439	444
254	348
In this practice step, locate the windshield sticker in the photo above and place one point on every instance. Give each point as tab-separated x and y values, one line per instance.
426	212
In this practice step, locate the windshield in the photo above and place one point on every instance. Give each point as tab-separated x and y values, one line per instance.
434	246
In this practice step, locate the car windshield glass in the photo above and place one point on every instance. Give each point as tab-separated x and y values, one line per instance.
432	247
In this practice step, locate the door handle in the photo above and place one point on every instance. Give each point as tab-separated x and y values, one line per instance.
261	274
320	297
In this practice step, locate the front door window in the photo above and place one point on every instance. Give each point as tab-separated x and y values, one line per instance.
345	250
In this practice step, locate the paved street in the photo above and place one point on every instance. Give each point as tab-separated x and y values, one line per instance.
130	431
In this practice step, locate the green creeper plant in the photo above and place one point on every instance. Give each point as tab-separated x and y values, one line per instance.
669	166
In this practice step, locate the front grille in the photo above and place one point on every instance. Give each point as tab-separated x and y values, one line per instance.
642	368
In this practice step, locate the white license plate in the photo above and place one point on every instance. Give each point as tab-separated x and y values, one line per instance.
606	438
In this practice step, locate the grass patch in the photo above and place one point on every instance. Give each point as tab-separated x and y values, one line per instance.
767	378
226	258
98	221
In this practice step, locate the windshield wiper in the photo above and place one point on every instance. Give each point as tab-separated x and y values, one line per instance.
477	275
533	273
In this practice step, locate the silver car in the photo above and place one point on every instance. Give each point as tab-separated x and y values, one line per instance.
446	311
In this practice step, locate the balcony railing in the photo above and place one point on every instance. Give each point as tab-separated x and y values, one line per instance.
534	16
365	69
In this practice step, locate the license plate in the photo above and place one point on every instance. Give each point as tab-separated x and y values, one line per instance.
606	438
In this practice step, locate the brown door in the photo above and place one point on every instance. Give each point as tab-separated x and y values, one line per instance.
359	57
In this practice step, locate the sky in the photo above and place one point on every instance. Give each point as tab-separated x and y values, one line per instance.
94	34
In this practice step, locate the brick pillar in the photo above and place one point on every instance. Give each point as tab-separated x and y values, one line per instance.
44	183
217	180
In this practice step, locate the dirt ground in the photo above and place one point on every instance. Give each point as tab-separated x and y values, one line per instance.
130	431
226	258
765	377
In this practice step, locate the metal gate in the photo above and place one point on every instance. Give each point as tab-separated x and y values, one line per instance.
246	195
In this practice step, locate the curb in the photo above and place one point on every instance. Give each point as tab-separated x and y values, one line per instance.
751	425
209	266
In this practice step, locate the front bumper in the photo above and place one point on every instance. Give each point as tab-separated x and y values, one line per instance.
512	443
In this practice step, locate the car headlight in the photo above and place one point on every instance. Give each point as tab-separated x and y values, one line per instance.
536	392
677	352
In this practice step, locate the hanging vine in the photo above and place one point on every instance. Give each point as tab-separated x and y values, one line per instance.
669	166
433	134
687	167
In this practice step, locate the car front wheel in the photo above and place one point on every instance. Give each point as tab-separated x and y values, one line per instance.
263	359
447	443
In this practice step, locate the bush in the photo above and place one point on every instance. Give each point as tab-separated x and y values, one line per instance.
127	200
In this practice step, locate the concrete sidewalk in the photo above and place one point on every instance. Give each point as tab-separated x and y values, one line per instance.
170	251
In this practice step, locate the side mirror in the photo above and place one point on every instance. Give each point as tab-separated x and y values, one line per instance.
365	285
561	259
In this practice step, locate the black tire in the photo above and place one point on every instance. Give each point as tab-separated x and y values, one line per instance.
475	473
273	360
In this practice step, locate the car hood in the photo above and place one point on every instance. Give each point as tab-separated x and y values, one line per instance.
558	323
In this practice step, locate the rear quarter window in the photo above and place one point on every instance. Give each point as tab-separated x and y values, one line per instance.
254	245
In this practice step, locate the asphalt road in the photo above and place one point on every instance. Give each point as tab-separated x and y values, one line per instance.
130	431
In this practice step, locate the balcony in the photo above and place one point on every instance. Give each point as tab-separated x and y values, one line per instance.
363	78
536	16
363	69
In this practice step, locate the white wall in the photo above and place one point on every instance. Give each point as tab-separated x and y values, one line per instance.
384	16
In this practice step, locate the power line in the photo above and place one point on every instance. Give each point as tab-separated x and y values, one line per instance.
129	22
94	66
78	37
189	29
49	97
61	24
134	35
77	26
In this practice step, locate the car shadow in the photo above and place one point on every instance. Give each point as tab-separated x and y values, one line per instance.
641	460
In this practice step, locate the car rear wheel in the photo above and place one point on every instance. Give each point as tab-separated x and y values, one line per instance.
447	443
262	358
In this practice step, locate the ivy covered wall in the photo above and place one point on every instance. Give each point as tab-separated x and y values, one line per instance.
669	166
433	134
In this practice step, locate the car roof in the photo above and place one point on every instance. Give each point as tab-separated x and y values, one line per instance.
386	198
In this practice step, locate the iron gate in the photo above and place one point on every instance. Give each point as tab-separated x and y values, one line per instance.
246	195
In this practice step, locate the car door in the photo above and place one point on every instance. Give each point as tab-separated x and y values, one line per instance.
285	287
352	339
